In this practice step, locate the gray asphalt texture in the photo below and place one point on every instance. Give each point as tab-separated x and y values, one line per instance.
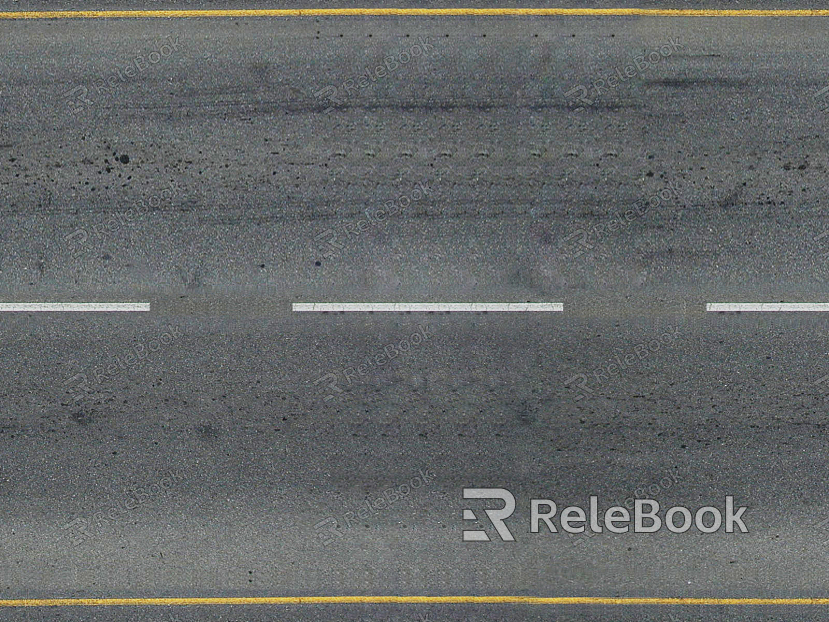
221	186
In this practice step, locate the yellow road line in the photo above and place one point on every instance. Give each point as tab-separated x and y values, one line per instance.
421	13
403	600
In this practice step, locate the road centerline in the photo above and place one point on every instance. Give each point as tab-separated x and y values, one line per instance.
401	600
417	12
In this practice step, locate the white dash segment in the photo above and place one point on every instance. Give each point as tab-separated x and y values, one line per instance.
400	307
8	307
767	307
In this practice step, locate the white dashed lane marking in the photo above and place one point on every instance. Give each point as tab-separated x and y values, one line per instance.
10	307
767	307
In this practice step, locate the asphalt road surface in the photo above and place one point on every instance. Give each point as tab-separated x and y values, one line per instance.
222	444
